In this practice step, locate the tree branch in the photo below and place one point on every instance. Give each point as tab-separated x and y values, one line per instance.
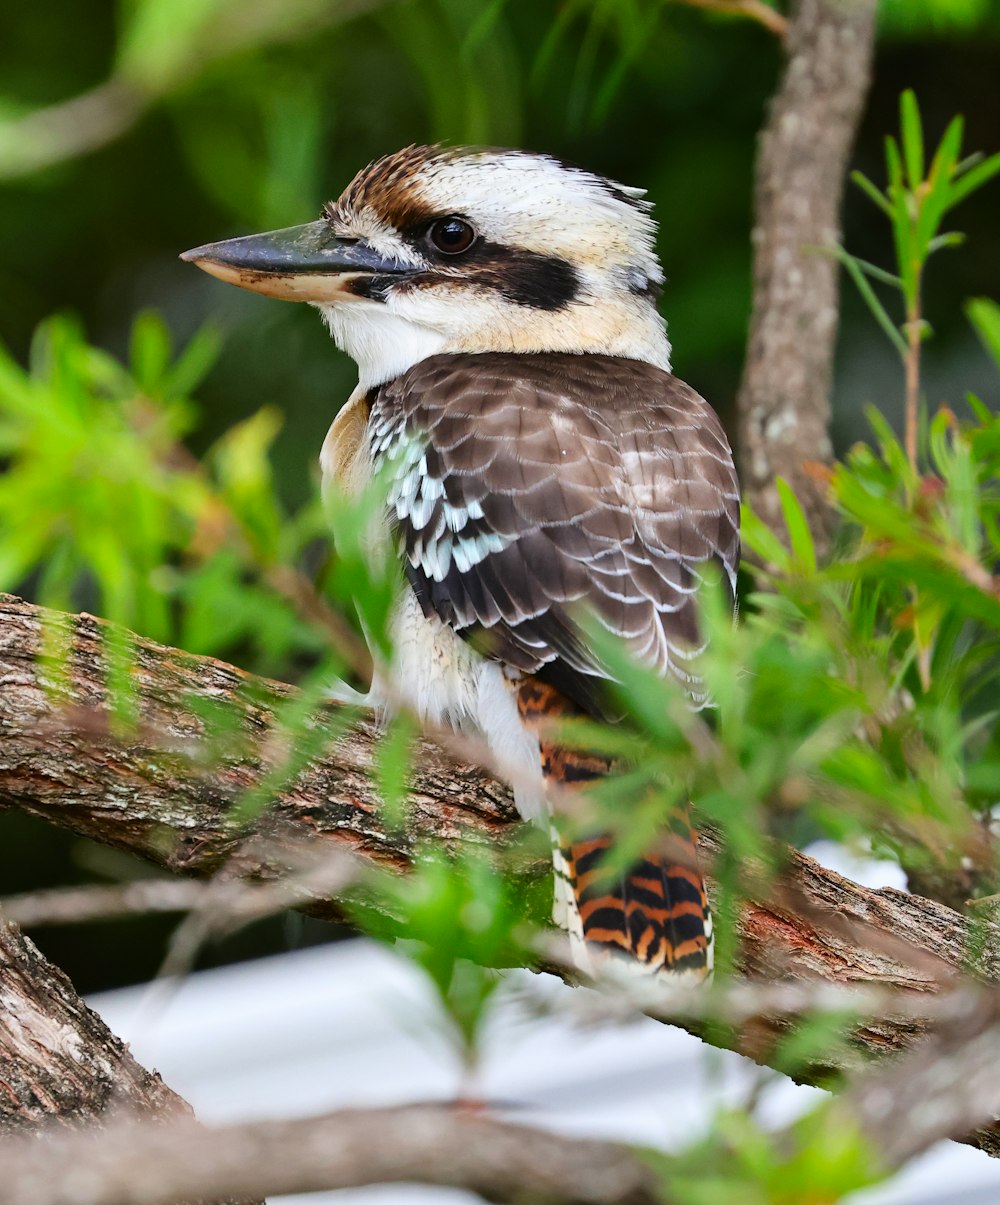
59	1062
164	792
430	1144
784	399
756	10
948	1084
58	1059
942	1087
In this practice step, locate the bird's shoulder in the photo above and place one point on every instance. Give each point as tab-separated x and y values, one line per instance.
622	417
614	391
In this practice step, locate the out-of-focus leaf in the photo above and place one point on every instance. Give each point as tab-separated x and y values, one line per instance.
803	548
984	315
393	766
878	310
912	138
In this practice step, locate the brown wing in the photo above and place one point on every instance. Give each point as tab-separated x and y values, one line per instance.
528	486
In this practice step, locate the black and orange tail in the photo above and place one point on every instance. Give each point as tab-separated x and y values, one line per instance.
653	918
655	913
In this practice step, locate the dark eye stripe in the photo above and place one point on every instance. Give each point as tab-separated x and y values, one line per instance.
545	282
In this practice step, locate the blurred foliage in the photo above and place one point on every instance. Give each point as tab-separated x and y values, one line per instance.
170	125
457	919
918	17
819	1161
102	506
916	204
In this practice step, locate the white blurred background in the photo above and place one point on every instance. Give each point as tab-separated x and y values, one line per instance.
353	1024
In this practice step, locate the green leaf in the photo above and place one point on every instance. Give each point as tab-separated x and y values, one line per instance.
873	193
975	178
303	727
936	195
873	303
984	315
393	766
894	168
912	137
803	547
815	1040
149	351
649	697
459	918
978	407
193	364
954	238
762	541
949	148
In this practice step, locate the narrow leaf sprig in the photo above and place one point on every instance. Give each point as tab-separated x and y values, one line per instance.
917	198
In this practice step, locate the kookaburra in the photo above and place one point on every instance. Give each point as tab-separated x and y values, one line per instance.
514	382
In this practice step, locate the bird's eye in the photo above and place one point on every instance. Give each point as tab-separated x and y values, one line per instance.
451	236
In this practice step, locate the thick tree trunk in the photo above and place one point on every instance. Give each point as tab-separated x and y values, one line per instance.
784	399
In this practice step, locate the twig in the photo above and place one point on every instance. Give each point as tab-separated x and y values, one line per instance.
225	903
757	10
738	1002
912	365
944	1087
82	905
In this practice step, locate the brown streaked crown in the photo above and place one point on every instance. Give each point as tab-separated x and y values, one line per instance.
387	186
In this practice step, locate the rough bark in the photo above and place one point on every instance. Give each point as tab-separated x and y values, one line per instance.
58	1060
60	1065
784	399
948	1084
164	791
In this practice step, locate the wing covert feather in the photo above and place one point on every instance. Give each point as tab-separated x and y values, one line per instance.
528	486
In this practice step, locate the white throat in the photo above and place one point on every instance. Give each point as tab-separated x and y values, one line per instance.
385	343
382	344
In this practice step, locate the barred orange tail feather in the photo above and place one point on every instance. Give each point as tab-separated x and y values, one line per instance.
654	918
656	913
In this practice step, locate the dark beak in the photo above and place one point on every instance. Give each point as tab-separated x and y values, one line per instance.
300	263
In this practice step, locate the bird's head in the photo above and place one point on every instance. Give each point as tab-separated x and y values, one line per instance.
466	250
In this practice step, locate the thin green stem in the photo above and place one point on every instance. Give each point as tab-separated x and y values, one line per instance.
912	362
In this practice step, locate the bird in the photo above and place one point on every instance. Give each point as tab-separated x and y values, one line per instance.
515	386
